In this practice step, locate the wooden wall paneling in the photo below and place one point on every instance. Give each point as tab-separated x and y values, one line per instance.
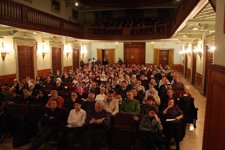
99	54
56	59
76	58
112	56
25	61
43	73
7	79
163	57
199	80
171	57
156	57
185	65
67	68
214	129
189	74
194	59
208	61
134	52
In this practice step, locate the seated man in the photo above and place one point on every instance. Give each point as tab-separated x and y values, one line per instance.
149	104
73	129
111	104
54	95
173	123
150	130
52	120
130	105
97	122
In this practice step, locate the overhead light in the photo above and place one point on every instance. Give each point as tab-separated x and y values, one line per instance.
76	4
195	28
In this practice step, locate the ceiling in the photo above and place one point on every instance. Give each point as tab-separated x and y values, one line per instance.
201	24
99	5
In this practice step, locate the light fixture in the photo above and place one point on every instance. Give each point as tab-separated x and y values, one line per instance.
212	49
76	4
43	50
3	51
67	50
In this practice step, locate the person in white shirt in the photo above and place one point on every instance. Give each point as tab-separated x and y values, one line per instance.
101	97
111	104
75	121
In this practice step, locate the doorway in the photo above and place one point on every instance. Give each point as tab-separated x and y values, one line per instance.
76	58
25	61
106	56
194	68
134	53
56	60
208	61
164	57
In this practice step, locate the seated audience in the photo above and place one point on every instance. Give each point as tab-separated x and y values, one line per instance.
54	95
52	120
73	129
173	126
111	104
96	124
130	105
150	129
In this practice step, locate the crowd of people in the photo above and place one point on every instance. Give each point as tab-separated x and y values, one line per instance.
82	106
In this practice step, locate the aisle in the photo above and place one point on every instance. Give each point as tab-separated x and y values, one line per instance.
193	139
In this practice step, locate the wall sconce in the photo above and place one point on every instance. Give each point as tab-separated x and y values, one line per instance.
198	51
67	50
43	50
212	49
3	51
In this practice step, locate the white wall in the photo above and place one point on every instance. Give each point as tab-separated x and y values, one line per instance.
220	35
119	48
199	64
9	65
46	62
168	45
149	53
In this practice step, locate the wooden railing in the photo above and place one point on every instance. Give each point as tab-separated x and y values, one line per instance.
141	32
18	15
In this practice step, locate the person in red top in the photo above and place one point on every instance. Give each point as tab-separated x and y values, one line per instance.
54	95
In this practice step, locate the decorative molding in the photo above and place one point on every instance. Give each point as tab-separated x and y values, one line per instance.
7	79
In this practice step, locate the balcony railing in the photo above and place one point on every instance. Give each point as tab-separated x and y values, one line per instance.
18	15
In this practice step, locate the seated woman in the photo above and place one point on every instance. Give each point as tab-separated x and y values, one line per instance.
173	125
186	104
76	120
150	129
52	120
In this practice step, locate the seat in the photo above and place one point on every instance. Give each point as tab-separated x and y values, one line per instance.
123	128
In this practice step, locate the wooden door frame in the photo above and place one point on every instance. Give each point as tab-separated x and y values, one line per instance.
59	45
170	56
25	42
185	65
78	57
194	63
134	45
111	52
